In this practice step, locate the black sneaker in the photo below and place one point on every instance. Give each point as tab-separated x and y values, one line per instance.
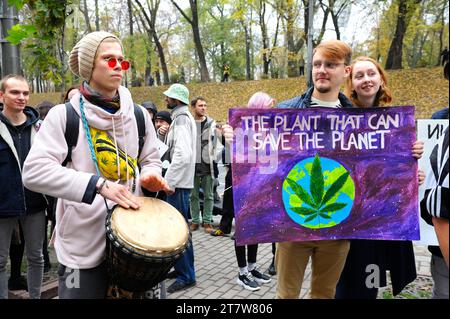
259	277
171	275
272	271
18	283
178	285
248	282
47	267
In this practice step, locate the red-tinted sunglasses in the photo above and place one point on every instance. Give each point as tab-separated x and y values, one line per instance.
124	64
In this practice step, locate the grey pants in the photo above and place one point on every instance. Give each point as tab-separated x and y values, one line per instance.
439	272
33	227
82	283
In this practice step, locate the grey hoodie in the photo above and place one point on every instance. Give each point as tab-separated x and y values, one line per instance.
181	139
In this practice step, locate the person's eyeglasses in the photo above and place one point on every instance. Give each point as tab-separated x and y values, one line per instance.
327	65
124	64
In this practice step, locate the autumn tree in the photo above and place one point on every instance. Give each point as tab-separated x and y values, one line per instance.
243	13
406	8
150	27
192	19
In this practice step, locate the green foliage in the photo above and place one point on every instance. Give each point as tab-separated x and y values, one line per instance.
421	43
19	32
18	3
39	34
320	206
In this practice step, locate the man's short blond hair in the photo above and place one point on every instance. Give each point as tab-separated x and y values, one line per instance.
8	77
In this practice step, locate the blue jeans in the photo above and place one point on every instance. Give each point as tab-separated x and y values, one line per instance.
184	267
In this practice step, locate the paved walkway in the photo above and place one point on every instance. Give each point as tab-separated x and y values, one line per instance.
216	271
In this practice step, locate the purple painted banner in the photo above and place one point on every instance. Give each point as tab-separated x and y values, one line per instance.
324	173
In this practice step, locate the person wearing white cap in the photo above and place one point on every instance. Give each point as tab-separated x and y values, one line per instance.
105	109
181	139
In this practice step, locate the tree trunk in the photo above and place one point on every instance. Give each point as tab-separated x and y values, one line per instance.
158	74
204	74
335	19
394	58
86	17
441	31
63	64
148	65
265	40
131	53
97	18
151	31
293	46
162	58
248	69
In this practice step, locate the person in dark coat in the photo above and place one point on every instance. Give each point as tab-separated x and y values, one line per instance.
19	205
367	87
438	266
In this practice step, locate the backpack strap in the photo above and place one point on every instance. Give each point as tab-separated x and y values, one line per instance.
71	133
141	127
72	127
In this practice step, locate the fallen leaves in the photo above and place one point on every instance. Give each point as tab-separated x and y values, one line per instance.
426	88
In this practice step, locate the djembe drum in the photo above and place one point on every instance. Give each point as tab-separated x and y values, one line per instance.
142	245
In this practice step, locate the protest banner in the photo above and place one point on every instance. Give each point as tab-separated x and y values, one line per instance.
324	173
428	131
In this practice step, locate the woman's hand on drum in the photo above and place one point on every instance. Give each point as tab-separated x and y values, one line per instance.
154	182
117	193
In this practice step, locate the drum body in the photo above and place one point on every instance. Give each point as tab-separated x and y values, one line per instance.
142	245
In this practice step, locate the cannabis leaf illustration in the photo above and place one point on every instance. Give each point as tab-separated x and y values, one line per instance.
104	161
317	198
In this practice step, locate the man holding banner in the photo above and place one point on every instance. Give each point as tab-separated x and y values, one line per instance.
330	68
317	172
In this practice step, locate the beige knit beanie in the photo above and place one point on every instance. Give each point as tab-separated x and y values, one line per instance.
81	58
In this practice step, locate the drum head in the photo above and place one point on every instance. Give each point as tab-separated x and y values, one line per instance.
155	228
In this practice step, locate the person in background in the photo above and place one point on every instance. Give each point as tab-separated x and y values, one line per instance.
439	266
249	276
367	86
204	167
181	140
301	64
43	108
151	108
163	120
445	56
19	205
74	89
226	73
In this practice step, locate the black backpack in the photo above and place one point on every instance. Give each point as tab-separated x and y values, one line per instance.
72	126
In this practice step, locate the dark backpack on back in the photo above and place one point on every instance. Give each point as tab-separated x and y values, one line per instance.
72	126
